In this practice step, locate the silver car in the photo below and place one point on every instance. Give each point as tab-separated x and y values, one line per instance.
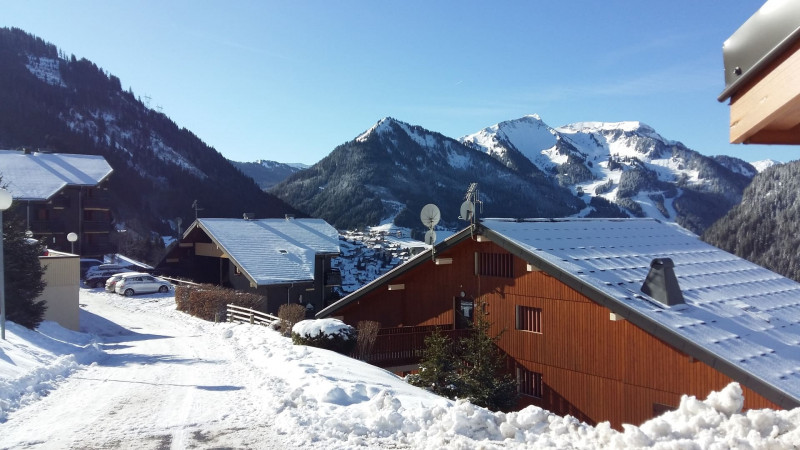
111	283
132	284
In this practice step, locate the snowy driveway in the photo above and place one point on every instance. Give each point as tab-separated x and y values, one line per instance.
160	386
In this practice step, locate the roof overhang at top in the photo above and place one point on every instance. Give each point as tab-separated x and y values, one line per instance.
762	76
36	176
271	251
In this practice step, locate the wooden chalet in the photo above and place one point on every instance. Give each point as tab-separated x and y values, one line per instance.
603	319
59	193
762	76
285	260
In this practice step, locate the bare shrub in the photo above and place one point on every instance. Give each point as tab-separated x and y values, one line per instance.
367	333
289	315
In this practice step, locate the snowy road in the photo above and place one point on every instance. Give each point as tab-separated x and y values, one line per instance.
142	375
160	386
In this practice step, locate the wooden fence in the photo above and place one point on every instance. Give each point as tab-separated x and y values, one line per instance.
246	315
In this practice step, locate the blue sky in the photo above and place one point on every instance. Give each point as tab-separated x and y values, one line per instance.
291	80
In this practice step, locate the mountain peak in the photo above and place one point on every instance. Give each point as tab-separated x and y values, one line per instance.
380	127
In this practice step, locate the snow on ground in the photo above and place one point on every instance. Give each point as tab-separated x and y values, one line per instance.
143	375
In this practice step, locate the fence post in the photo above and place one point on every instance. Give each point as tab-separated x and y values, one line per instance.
251	317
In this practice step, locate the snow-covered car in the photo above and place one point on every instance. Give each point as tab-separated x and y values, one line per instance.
96	277
129	285
111	283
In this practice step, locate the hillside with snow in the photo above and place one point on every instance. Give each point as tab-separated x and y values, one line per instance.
390	171
142	375
623	168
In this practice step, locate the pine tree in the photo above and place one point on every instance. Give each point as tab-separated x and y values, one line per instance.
438	369
482	367
474	371
23	275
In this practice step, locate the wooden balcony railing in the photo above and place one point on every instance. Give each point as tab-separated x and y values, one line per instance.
402	346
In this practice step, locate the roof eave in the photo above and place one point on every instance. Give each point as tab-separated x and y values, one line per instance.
764	37
667	335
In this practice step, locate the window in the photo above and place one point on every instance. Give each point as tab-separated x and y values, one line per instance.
529	319
528	382
496	265
464	313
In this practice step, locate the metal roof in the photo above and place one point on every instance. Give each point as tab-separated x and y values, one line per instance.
272	251
37	176
738	317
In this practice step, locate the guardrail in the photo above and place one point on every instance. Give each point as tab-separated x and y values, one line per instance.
246	315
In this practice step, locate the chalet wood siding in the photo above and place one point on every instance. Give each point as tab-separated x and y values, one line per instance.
593	368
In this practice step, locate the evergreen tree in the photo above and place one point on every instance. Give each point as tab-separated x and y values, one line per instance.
438	369
475	371
23	275
483	367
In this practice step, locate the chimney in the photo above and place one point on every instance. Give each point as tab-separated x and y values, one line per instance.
249	216
662	284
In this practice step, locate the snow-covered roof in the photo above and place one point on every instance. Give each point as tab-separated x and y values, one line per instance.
739	317
38	176
272	251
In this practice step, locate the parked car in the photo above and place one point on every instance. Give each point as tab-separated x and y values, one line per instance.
111	283
129	285
88	263
96	277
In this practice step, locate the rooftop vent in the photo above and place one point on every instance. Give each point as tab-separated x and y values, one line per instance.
662	284
249	216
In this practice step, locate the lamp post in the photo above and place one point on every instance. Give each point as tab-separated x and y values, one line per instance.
5	203
72	237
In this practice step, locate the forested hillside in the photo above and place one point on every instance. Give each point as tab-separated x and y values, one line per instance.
394	169
765	227
53	102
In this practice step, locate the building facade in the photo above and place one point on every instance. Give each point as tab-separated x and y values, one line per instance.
581	336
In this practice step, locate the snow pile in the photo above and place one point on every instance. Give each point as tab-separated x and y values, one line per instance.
247	386
33	362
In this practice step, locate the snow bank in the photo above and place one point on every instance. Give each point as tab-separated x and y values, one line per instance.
33	362
318	399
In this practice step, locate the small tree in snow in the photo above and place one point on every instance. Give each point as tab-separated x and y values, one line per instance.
23	275
486	383
438	369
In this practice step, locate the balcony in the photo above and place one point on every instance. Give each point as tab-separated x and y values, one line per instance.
96	200
402	346
97	226
48	226
333	277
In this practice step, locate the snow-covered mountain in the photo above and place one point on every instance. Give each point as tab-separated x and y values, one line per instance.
268	173
622	166
393	169
765	164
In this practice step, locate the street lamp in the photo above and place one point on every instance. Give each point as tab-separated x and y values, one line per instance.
5	203
72	237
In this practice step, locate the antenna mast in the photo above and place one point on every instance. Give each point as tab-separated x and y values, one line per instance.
468	208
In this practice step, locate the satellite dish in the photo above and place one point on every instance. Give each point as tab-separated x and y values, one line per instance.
430	215
430	237
467	210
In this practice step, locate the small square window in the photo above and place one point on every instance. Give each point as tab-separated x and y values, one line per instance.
529	383
529	319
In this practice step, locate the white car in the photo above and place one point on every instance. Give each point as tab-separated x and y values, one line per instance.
138	283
